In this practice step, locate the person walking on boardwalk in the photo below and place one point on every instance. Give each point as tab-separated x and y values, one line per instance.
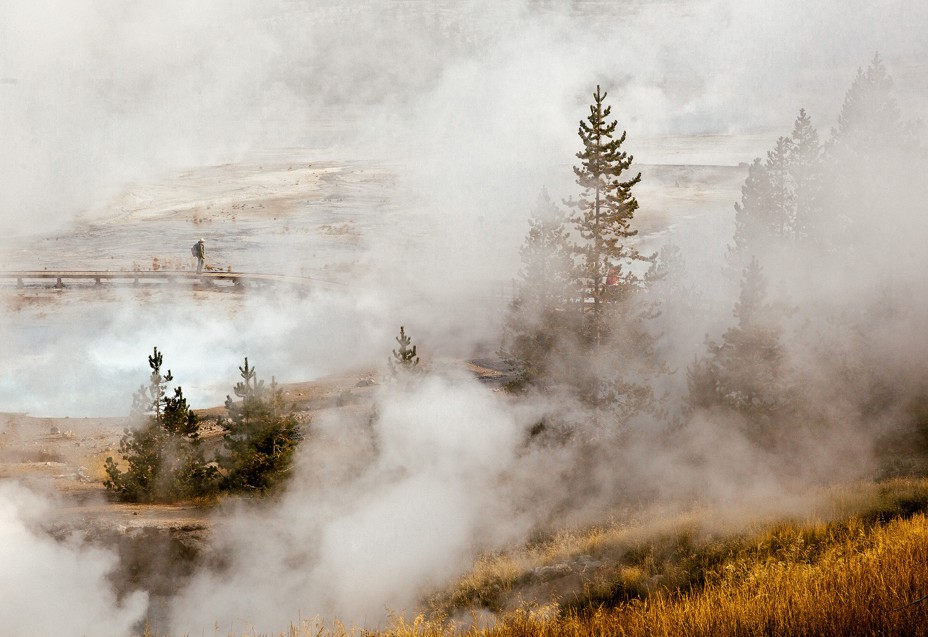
199	251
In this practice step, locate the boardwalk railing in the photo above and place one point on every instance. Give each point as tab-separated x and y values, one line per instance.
231	279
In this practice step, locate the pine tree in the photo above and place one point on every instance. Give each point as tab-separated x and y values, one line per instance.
536	315
161	448
249	389
405	362
781	198
778	220
261	436
603	213
608	359
870	120
745	372
671	297
668	266
756	197
147	400
805	169
873	156
544	279
764	217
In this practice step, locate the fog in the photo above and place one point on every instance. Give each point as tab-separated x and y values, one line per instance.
346	541
96	94
54	586
437	125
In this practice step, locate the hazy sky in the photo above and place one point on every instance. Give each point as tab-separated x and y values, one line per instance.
95	92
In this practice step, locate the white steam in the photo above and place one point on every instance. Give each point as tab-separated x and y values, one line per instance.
472	107
54	587
360	533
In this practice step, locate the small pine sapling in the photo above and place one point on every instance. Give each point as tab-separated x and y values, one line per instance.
405	361
261	436
160	449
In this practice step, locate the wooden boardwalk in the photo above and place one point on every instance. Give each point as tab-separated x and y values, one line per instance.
23	278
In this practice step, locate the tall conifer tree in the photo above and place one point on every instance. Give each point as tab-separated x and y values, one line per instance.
544	279
781	198
756	201
870	119
603	212
805	169
872	156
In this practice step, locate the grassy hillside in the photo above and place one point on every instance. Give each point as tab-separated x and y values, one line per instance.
853	575
857	566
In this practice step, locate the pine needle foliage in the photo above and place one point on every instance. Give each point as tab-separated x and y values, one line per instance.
781	198
870	119
617	359
745	372
160	449
537	317
261	436
603	212
405	360
544	280
872	156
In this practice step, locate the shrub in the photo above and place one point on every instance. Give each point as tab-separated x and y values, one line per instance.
260	436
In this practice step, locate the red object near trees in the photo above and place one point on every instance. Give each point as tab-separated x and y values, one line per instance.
613	277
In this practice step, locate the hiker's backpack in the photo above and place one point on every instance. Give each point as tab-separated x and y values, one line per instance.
194	251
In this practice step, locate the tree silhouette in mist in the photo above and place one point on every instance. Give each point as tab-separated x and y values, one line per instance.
745	371
543	291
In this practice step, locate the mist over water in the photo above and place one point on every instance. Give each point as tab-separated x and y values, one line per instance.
390	153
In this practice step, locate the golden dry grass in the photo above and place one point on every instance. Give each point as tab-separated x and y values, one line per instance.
855	572
853	575
848	579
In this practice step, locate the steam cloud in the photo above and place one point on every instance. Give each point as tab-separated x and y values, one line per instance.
474	105
51	587
358	528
